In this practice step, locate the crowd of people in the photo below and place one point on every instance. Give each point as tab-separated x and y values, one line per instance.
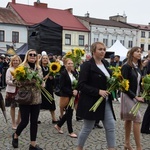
92	84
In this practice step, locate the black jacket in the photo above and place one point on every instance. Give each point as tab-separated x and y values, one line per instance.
91	80
65	84
131	74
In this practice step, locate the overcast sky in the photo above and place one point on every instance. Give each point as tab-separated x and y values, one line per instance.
136	11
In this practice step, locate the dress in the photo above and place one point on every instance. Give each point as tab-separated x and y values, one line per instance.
133	74
49	87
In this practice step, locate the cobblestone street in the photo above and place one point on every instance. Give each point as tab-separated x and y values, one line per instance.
49	139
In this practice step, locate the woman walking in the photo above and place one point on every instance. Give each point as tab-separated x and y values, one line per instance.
31	111
131	70
92	85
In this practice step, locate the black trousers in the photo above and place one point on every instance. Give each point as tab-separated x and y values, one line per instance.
146	120
67	117
29	112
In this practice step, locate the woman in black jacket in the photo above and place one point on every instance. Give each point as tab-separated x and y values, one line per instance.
66	92
131	70
92	85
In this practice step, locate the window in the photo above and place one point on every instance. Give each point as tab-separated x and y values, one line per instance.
81	40
130	44
149	35
15	37
1	36
148	47
95	39
113	41
122	42
143	34
105	41
142	47
67	39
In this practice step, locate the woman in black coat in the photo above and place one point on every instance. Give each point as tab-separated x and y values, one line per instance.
131	71
67	78
92	85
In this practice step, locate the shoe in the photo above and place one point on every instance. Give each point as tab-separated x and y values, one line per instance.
79	119
145	132
14	141
39	122
98	126
58	129
73	135
36	147
54	122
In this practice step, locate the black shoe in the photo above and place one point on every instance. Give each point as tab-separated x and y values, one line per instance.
98	126
39	122
14	142
54	122
146	132
34	148
78	119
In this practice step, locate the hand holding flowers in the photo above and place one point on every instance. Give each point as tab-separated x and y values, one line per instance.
116	82
75	92
26	77
145	95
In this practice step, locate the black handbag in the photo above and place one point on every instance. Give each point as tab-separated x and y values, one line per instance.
24	96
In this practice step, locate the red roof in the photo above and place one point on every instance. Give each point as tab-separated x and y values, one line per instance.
141	26
33	15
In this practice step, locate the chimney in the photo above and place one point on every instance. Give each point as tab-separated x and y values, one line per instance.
87	15
40	5
70	10
14	1
119	18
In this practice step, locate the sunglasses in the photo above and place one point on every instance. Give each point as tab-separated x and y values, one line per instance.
34	55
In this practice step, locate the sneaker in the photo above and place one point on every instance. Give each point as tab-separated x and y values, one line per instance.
14	141
34	148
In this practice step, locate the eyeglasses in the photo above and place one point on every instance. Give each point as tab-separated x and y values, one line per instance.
31	54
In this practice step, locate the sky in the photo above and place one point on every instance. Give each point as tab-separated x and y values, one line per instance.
137	12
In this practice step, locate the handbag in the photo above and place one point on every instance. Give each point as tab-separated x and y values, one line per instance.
10	96
24	96
126	105
64	101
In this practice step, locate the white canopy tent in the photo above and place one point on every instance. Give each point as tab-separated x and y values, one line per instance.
118	49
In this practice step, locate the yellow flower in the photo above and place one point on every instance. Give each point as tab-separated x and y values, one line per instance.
68	53
82	52
55	67
19	73
125	84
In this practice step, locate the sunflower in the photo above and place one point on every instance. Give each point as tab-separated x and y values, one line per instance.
82	52
125	84
68	53
19	73
54	67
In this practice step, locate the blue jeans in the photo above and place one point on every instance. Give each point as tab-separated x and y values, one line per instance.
108	123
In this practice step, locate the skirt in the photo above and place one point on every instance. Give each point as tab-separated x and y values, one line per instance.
126	105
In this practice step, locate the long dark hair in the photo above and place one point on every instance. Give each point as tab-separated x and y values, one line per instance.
130	57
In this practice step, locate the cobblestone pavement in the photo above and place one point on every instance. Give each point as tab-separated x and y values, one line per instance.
49	139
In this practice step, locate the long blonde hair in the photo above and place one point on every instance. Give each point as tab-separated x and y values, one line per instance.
26	59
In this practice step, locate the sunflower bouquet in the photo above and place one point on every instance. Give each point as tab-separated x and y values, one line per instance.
71	102
30	77
76	55
145	94
116	82
54	68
